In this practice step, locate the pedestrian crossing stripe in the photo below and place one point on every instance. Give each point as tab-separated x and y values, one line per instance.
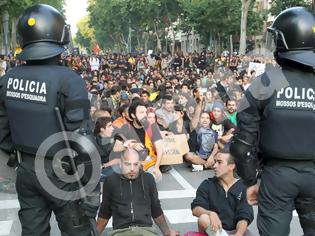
14	204
9	204
5	227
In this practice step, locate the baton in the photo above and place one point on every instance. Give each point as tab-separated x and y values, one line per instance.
76	174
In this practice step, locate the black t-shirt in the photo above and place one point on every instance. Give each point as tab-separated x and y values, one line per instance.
112	62
201	62
141	134
130	132
222	127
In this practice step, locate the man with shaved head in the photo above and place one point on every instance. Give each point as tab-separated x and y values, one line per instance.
131	198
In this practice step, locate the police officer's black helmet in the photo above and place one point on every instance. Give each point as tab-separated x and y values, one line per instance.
43	33
293	35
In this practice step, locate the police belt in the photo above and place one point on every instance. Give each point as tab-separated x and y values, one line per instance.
290	163
30	160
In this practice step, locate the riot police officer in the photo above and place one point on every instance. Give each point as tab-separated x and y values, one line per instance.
276	123
29	95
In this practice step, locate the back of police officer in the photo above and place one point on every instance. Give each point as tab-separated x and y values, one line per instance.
277	120
28	97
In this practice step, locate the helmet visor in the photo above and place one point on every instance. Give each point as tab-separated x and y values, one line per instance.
275	40
270	40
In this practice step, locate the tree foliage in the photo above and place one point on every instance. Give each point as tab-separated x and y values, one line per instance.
220	18
14	8
85	35
118	21
278	6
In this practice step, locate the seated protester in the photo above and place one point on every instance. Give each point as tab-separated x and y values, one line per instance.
123	116
187	101
153	120
221	202
167	109
113	102
131	198
231	109
141	136
180	125
151	116
124	98
203	145
100	113
103	132
190	108
145	97
163	126
208	101
223	126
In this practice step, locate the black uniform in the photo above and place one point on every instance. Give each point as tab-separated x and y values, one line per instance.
286	144
29	95
276	123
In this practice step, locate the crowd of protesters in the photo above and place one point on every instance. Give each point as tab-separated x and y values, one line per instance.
195	94
136	100
139	99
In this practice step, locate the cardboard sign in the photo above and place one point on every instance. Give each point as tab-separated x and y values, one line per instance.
258	67
174	147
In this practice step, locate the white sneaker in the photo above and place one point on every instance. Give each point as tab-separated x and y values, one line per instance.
196	168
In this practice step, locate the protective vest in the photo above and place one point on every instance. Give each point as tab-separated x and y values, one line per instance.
287	118
31	94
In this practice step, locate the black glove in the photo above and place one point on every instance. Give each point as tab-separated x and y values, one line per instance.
91	204
13	160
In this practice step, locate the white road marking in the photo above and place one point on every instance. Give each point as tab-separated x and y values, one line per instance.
181	180
9	204
14	204
5	227
177	194
180	216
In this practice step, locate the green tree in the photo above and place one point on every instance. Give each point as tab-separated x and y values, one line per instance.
129	24
13	8
85	34
244	16
278	6
216	20
126	24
